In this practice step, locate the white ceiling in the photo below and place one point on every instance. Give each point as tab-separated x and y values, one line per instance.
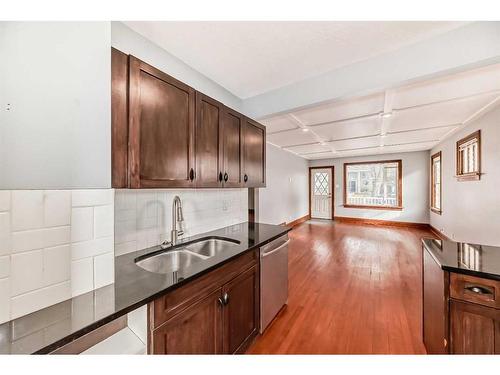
421	115
250	58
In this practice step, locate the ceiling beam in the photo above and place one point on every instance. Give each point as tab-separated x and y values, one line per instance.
474	45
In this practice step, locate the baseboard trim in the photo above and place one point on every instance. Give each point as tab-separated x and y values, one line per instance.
439	234
387	223
298	221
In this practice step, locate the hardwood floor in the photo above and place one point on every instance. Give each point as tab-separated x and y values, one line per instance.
353	289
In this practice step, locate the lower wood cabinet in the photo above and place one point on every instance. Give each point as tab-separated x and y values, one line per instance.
196	330
461	313
241	311
474	329
217	313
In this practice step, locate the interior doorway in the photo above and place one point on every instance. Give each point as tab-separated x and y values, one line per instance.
321	197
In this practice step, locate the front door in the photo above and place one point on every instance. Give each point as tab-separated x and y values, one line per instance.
321	193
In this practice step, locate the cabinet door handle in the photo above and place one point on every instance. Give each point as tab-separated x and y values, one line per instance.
226	177
225	298
477	289
221	301
191	174
245	178
220	176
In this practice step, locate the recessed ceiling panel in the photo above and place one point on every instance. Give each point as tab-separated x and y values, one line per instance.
424	135
279	123
420	146
458	85
440	114
349	129
308	149
291	138
320	155
356	143
342	110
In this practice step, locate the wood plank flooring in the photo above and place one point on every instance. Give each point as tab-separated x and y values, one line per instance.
353	289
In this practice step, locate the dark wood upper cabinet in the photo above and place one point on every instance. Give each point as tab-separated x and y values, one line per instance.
208	140
167	135
232	148
119	119
161	129
254	154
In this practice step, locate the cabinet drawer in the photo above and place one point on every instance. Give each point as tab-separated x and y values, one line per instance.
475	289
172	303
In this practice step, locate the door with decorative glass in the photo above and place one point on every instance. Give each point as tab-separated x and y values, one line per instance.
321	193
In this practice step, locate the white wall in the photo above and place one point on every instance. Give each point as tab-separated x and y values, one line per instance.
415	188
285	197
130	42
471	209
56	77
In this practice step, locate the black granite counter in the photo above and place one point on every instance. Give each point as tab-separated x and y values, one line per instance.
47	329
470	259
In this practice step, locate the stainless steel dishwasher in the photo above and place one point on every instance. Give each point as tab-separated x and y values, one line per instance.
273	279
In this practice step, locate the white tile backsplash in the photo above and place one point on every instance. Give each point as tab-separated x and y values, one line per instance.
4	299
80	250
5	236
104	270
82	276
52	242
26	271
4	200
27	209
56	264
103	221
4	266
40	298
97	197
143	217
57	208
82	224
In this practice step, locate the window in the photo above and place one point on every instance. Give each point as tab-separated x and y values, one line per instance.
373	185
436	183
469	157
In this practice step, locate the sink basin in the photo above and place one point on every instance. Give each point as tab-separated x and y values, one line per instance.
169	261
210	247
186	255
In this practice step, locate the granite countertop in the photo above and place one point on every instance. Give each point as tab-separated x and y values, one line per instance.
48	329
470	259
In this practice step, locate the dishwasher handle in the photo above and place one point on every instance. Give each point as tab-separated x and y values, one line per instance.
276	250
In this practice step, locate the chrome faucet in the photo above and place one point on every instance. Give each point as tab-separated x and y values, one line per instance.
177	217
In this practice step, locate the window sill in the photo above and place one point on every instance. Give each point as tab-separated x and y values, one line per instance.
469	176
388	208
436	211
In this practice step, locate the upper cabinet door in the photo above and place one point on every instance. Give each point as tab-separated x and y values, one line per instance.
232	148
208	149
254	154
161	129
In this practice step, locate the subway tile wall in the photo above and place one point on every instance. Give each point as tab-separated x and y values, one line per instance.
143	217
54	245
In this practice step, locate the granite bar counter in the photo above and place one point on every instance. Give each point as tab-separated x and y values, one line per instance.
50	328
470	259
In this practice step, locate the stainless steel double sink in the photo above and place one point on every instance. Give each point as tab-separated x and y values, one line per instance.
184	256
